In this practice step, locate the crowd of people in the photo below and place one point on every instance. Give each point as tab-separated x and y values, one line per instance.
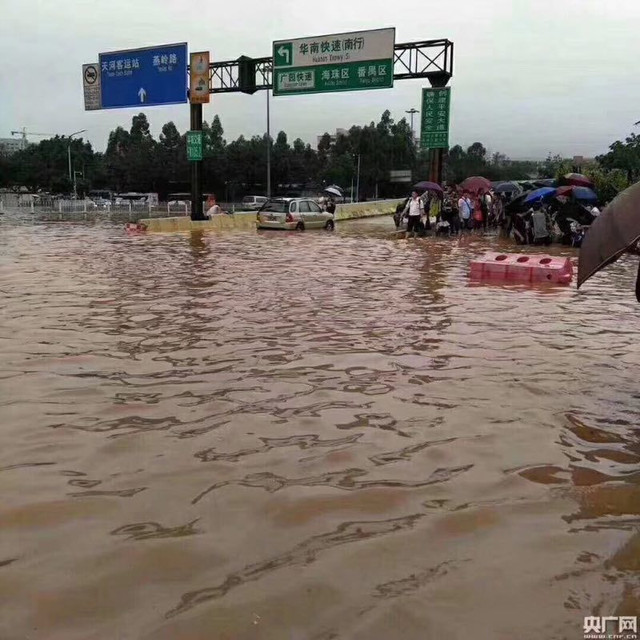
459	211
463	211
456	211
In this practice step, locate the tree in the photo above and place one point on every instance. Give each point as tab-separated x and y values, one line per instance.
173	163
555	167
625	156
144	168
607	183
477	151
281	160
116	159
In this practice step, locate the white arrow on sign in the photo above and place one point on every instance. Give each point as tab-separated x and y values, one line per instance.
283	52
142	94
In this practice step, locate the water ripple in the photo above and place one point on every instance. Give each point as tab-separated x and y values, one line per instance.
303	383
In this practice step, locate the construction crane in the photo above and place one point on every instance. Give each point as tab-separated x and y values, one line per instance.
24	133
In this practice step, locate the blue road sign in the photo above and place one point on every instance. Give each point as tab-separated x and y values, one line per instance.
144	77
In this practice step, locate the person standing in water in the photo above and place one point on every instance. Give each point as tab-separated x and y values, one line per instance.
414	210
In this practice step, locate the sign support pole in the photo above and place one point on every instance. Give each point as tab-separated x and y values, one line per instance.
196	168
268	148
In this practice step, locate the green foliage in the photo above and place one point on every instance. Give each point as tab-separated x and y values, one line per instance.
607	183
555	167
460	164
135	161
624	156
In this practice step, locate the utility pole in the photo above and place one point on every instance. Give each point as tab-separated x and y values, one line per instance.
412	112
358	181
268	148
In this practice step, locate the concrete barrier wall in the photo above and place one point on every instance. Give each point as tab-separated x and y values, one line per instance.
366	209
236	222
247	221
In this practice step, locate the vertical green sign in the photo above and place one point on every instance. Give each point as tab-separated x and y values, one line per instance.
436	105
194	145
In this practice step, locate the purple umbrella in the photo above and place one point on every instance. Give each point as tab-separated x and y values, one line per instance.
427	186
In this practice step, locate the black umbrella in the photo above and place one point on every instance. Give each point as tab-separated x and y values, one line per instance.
614	231
507	187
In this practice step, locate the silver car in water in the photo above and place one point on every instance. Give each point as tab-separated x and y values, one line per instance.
289	214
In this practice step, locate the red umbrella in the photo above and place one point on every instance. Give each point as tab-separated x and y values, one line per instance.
475	184
577	180
564	191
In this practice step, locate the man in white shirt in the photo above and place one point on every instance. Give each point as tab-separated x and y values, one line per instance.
464	210
414	209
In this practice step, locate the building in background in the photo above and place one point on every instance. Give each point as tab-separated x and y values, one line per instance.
9	146
334	136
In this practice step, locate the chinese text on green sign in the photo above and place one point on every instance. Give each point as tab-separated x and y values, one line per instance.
436	105
194	145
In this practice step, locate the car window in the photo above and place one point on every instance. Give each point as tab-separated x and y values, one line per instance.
303	206
293	207
261	199
275	206
247	200
314	206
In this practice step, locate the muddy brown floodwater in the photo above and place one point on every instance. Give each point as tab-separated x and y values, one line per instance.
307	437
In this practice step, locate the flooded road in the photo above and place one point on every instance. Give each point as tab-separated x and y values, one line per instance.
307	437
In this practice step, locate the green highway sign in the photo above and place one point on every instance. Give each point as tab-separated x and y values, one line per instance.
339	62
436	106
194	145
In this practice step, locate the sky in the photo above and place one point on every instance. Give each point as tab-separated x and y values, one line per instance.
530	78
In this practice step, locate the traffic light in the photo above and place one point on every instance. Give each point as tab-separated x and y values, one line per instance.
246	74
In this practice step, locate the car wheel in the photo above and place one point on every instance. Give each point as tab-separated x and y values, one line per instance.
330	226
300	226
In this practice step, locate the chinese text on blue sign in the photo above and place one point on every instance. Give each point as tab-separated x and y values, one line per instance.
153	76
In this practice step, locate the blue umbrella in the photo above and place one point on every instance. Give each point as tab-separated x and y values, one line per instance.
585	194
539	194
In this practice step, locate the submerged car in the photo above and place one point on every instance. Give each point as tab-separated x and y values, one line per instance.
293	214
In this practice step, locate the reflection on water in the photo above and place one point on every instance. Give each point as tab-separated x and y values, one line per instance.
309	436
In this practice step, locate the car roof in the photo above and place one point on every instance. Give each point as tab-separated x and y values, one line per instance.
288	199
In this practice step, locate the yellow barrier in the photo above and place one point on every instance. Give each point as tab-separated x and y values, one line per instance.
247	221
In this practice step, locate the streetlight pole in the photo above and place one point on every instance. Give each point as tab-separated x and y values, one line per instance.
358	181
412	112
72	177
